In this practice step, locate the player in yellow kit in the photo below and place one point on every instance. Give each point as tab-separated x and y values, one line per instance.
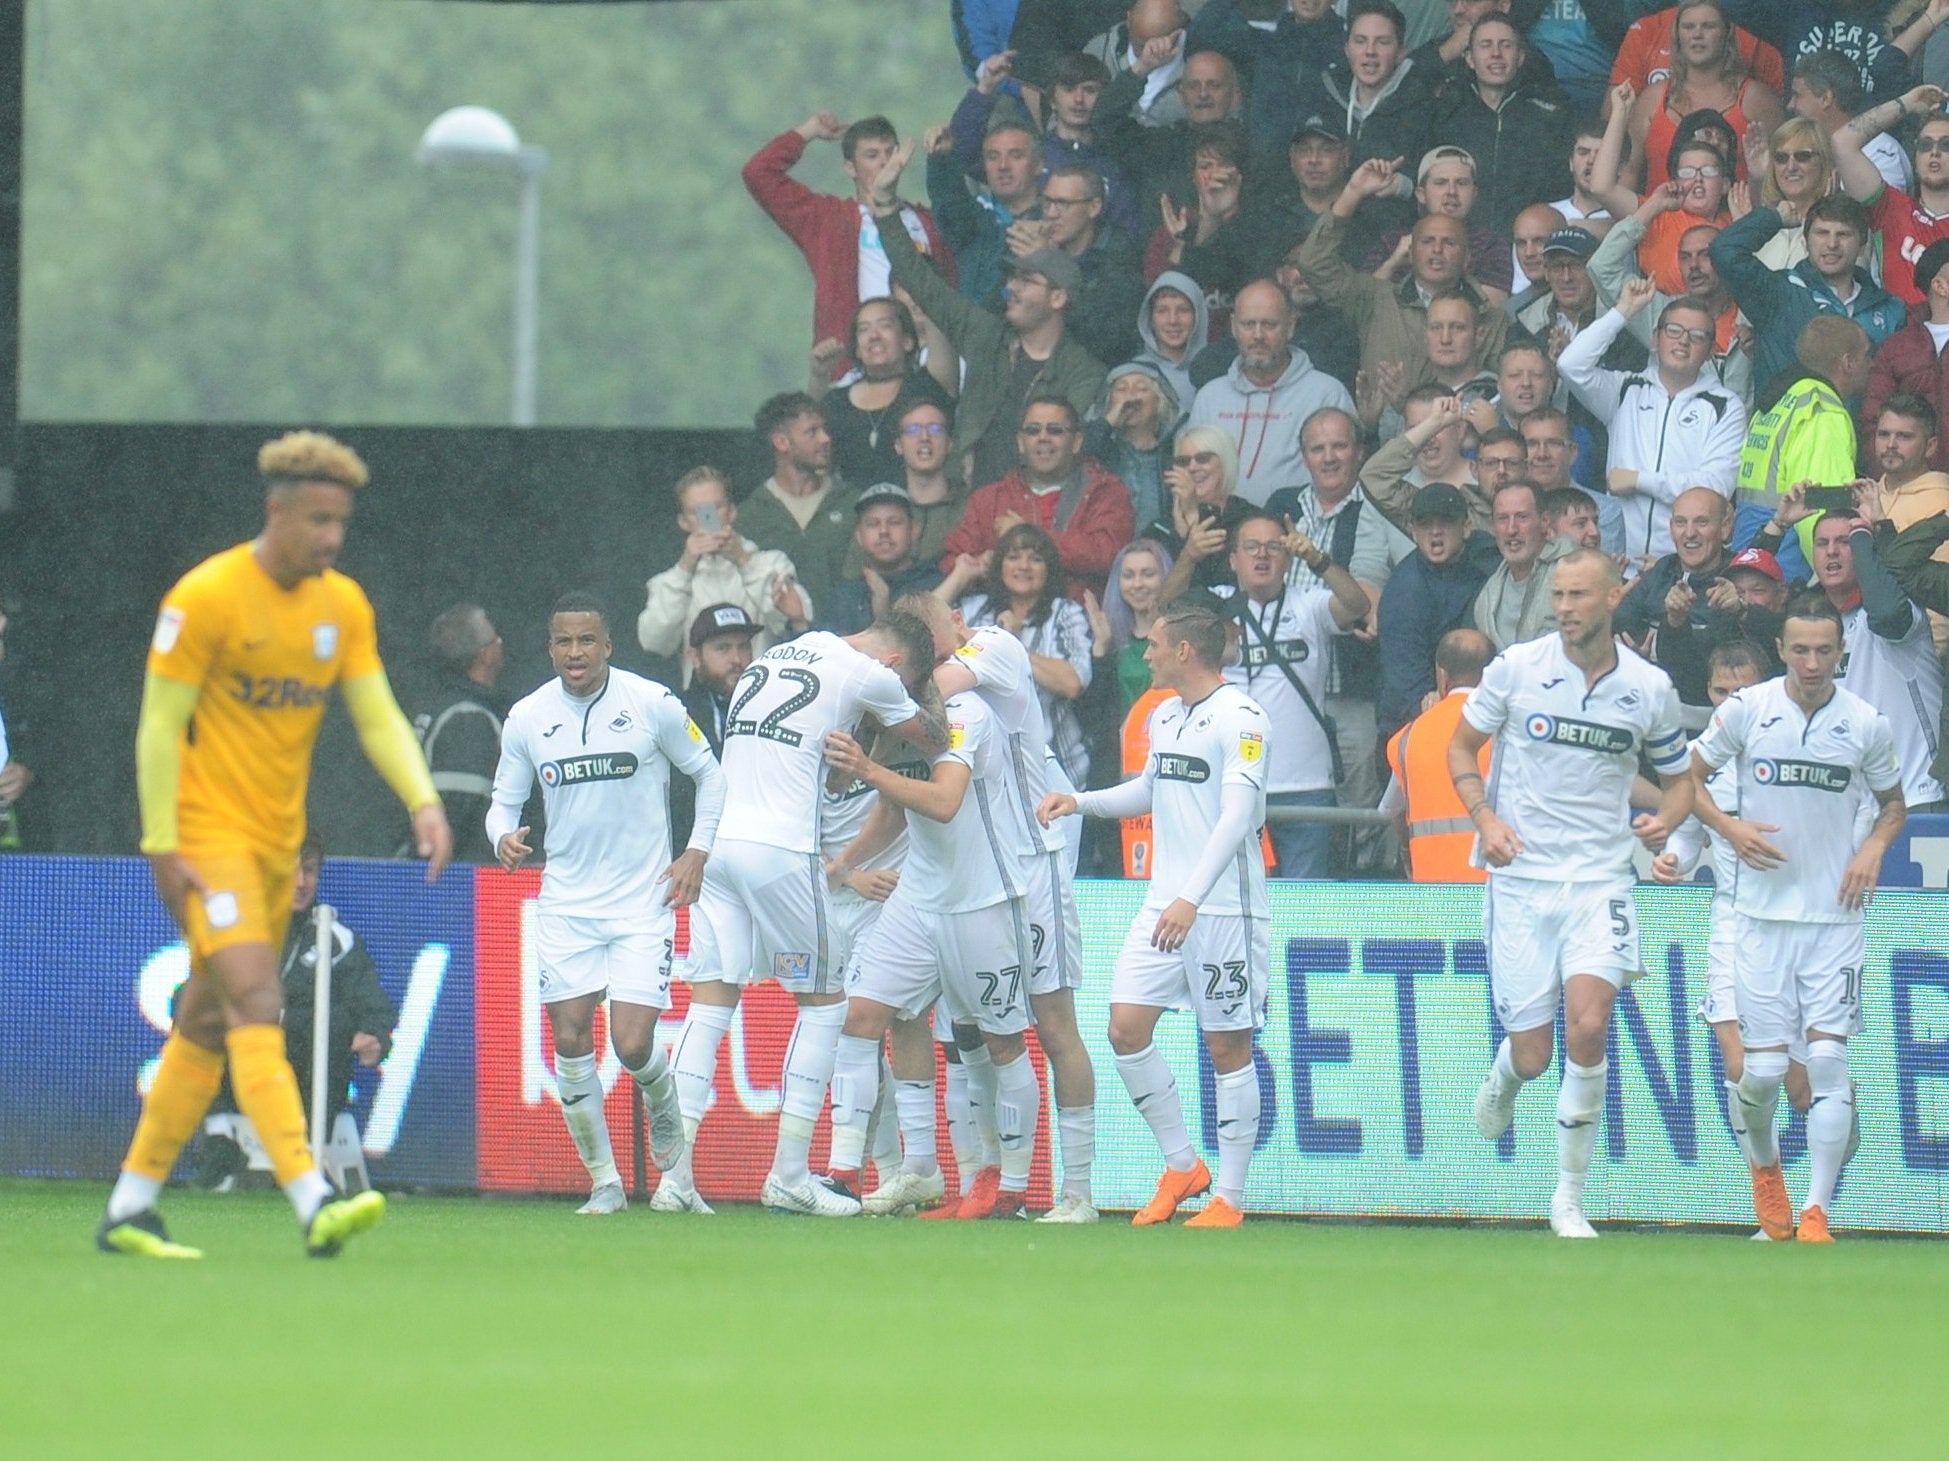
247	648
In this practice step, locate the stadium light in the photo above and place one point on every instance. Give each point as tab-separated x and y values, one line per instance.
481	137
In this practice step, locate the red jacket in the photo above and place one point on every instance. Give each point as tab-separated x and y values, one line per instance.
826	230
1099	527
1907	361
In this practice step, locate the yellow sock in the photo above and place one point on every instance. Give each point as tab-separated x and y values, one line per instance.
267	1092
187	1080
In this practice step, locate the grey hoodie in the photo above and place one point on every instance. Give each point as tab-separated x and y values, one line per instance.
1265	422
1179	375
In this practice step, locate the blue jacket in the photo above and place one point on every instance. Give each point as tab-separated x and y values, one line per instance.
1422	602
1779	302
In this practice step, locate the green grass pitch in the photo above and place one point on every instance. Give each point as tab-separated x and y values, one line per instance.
476	1327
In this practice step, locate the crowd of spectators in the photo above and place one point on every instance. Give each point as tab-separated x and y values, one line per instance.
1356	317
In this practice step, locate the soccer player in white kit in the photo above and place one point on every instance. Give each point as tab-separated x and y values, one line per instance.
1804	748
1569	714
957	926
1203	939
765	911
602	741
996	665
1732	666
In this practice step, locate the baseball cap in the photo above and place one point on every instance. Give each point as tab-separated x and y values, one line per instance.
881	492
1321	124
1760	561
1438	502
722	619
1578	242
1057	267
1442	154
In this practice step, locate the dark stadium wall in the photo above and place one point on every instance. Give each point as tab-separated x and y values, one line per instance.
109	516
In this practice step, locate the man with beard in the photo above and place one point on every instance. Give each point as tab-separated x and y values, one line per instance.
1269	392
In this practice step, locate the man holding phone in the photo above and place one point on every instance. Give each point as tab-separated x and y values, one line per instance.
719	566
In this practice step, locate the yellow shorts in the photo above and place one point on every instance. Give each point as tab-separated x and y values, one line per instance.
249	901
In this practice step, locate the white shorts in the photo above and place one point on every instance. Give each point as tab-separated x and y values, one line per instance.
1541	934
1221	972
627	957
1054	926
853	918
765	913
978	961
1789	978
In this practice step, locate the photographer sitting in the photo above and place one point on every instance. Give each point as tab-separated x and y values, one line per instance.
1700	596
362	1020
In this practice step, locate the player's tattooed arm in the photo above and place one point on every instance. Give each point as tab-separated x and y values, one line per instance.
927	730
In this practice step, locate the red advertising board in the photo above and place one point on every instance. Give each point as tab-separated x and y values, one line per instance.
522	1143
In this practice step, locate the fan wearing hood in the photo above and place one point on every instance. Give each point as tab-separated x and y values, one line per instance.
1175	323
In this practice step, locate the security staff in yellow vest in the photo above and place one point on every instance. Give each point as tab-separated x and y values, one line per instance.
1437	831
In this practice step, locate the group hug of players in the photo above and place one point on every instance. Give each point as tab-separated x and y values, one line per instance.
885	838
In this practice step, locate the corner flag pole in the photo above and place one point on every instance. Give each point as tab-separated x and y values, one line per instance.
321	1032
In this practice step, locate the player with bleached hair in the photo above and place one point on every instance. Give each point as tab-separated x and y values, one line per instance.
1807	752
1570	714
1203	939
247	650
603	742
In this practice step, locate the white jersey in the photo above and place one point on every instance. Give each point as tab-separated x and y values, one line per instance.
785	704
604	766
1000	665
1567	753
1805	775
969	861
1297	630
1902	678
1195	752
843	814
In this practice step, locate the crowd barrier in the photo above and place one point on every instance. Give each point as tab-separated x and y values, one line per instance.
1378	1029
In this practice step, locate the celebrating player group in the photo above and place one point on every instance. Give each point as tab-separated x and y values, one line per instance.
885	838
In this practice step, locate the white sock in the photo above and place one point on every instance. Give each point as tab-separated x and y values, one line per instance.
1238	1131
914	1101
1018	1102
695	1071
1854	1123
883	1130
308	1193
1076	1126
961	1134
1736	1115
1830	1120
131	1195
1759	1100
981	1102
581	1088
654	1076
1154	1092
1578	1102
1505	1067
855	1085
808	1071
